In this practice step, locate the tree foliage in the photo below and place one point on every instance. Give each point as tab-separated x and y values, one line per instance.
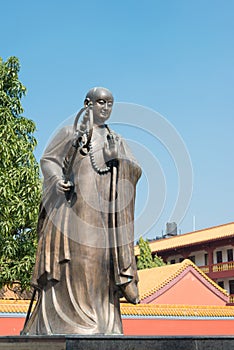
145	259
20	186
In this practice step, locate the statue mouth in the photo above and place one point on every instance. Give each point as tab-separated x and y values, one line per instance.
104	114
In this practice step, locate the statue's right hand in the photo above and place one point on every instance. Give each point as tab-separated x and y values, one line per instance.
62	187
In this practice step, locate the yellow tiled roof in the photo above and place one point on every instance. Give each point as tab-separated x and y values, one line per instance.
14	306
188	239
21	306
152	280
176	310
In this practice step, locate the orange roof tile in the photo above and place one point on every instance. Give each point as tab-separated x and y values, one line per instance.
21	306
14	306
176	310
152	280
188	239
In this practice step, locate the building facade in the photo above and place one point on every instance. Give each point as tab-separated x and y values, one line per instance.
210	249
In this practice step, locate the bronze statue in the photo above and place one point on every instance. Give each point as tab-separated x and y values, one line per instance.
85	259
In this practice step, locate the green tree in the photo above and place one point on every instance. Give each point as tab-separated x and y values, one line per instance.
20	185
145	259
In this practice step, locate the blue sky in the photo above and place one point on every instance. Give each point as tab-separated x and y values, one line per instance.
174	57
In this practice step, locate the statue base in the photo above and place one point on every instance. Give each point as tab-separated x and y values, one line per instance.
116	342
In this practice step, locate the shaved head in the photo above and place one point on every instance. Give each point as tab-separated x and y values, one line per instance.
98	93
102	102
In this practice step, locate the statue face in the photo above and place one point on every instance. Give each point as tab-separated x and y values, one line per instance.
102	105
102	110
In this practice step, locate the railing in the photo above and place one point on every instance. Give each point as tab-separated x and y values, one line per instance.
231	298
225	266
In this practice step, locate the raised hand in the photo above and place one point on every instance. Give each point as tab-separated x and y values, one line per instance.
110	150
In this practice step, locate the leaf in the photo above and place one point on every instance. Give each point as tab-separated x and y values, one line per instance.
145	259
20	183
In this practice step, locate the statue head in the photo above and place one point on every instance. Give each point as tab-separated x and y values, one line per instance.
102	100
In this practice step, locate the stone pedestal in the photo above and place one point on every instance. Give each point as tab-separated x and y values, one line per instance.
115	343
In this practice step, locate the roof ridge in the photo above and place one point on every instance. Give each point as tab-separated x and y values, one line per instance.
177	310
179	268
191	232
222	290
179	306
194	238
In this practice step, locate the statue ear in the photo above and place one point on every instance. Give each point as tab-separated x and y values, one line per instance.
87	101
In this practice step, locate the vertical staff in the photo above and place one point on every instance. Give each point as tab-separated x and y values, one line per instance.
111	152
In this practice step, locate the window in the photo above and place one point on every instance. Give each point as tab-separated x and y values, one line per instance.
192	258
206	259
172	261
230	254
221	284
219	256
231	286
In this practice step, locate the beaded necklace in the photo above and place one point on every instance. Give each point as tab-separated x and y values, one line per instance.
96	168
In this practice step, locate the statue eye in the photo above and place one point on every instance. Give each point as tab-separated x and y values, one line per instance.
104	102
101	102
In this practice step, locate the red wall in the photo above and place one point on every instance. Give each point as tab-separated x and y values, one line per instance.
178	327
183	293
13	326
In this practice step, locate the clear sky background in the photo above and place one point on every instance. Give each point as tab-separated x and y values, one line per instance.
175	57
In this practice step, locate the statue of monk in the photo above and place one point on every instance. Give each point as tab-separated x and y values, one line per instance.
85	258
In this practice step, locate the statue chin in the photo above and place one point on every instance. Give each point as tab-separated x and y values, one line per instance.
130	292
